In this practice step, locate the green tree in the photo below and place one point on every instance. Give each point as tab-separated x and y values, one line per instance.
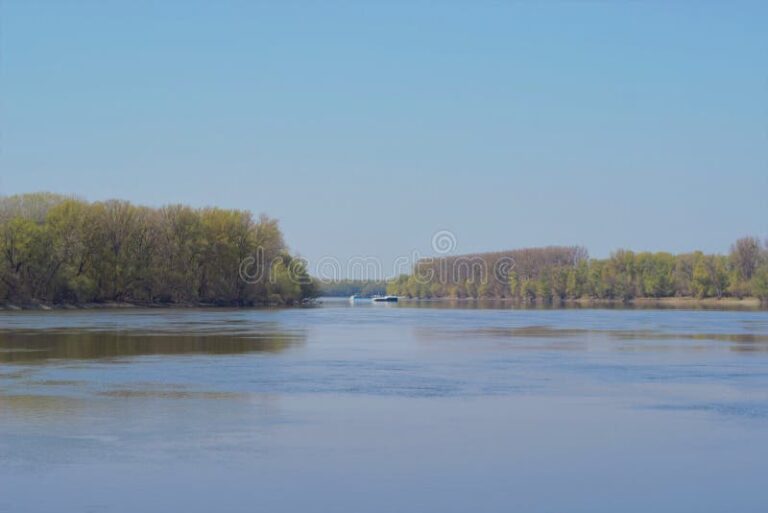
760	282
710	276
514	284
656	274
560	282
544	287
528	290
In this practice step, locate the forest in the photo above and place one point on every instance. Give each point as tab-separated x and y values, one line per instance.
556	274
62	250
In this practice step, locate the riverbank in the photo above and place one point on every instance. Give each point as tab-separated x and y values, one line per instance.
41	306
725	303
645	302
680	302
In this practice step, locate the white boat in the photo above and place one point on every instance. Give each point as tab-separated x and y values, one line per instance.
384	299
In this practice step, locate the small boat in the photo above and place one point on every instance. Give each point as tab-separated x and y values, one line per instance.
384	299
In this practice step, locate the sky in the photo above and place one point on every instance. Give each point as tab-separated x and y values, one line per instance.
367	127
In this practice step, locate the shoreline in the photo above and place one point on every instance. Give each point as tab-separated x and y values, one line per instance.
127	305
665	302
727	303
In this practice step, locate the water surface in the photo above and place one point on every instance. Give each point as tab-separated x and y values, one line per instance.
382	408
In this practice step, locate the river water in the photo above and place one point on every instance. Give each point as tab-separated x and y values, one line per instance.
384	408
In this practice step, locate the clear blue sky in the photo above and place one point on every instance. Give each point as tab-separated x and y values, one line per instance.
365	127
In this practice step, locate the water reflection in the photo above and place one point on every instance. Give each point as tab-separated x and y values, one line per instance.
738	341
29	346
38	405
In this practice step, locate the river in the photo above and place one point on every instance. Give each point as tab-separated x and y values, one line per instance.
384	408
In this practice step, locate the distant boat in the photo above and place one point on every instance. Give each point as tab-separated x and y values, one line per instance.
384	299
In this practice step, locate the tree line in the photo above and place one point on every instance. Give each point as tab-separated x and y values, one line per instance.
58	249
567	273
